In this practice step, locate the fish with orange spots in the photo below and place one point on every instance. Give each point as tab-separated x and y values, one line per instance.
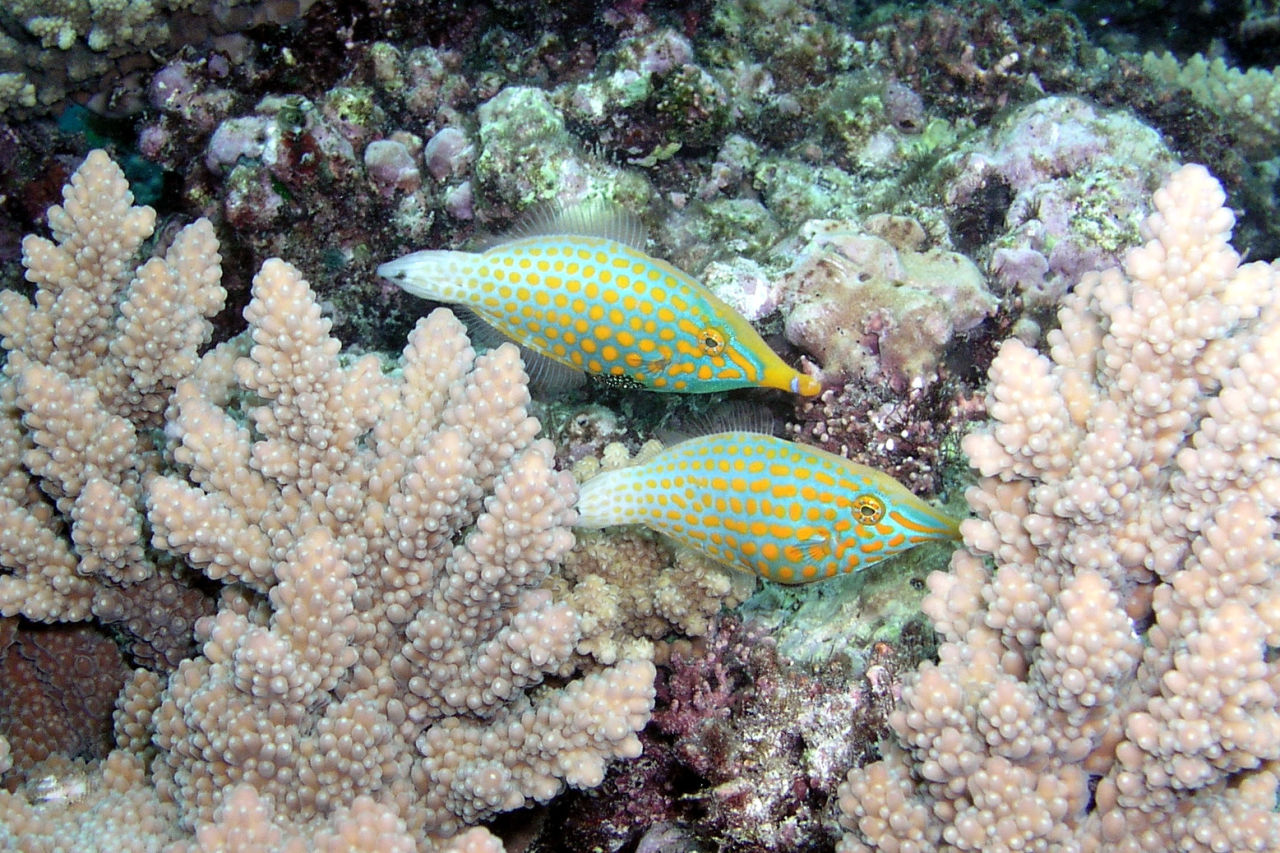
577	287
788	512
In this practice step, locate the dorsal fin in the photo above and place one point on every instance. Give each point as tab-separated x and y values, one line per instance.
731	416
595	217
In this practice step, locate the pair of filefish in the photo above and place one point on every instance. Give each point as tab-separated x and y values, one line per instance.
577	288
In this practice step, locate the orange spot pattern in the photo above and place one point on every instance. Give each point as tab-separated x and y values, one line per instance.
611	310
785	511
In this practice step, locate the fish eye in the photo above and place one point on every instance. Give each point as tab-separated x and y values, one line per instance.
712	341
867	509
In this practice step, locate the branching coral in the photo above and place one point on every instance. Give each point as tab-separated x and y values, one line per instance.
1124	645
400	526
1248	101
377	667
89	371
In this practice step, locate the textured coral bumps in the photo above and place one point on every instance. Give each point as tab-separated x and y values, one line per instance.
378	535
89	369
1120	646
400	524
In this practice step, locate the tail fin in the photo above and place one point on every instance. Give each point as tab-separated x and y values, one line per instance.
439	275
600	502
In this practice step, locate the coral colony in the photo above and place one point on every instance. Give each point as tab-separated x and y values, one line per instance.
968	315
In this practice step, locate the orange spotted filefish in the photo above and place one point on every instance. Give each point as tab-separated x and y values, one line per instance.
577	288
788	512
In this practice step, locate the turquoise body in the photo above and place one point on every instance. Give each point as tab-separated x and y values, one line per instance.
604	307
786	511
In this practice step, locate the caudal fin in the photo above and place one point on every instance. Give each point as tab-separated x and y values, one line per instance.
602	499
439	275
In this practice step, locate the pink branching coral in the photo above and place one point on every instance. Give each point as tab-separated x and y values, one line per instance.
89	370
385	669
1108	679
400	526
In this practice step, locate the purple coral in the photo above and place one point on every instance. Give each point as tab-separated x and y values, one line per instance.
744	752
1074	182
183	89
872	302
391	167
248	137
448	154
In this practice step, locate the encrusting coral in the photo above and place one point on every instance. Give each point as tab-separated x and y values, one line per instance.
874	303
59	685
49	50
374	674
1108	679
